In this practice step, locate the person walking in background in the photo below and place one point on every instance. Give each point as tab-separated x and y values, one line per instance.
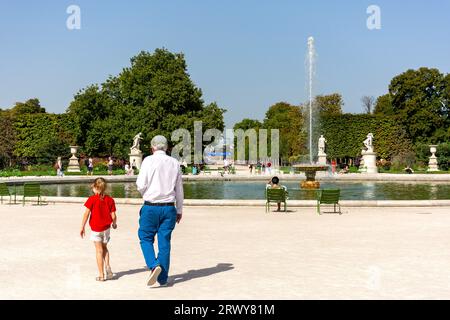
161	186
90	166
110	166
333	166
59	168
101	212
86	163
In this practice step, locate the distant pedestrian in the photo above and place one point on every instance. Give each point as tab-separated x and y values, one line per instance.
59	168
91	166
251	168
333	166
110	166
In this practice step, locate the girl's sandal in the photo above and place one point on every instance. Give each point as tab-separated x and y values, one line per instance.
109	274
100	279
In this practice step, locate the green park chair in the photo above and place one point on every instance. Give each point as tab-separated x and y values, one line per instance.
32	189
4	192
276	195
329	196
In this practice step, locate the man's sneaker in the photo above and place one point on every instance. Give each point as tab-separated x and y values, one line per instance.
153	275
158	285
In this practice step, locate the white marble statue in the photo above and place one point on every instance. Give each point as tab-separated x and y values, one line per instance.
322	142
369	143
136	142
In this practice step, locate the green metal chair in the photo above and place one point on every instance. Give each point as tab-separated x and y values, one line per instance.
32	189
276	195
4	192
329	196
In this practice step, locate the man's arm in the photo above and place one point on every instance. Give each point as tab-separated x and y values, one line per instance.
179	195
141	181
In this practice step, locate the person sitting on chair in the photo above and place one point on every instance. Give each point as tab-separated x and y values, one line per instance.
274	183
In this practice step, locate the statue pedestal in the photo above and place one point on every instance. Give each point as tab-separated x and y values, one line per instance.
370	162
433	164
74	165
136	156
322	159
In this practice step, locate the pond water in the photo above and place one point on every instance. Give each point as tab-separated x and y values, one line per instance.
255	190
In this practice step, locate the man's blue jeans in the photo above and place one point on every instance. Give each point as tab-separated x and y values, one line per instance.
158	221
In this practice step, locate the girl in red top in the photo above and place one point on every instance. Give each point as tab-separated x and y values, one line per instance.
101	211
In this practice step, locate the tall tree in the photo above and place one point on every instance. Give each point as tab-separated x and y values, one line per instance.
28	107
155	95
329	105
7	139
368	102
383	106
246	124
419	103
289	120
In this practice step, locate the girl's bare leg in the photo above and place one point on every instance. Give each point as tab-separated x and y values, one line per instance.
99	256
106	255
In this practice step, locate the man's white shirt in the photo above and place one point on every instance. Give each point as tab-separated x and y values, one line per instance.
160	180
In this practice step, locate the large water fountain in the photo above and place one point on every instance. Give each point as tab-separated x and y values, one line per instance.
310	168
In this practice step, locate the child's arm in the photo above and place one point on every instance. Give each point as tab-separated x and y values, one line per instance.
83	223
114	218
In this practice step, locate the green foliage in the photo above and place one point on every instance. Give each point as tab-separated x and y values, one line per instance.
28	107
443	155
289	120
422	151
345	135
383	106
153	96
40	137
7	139
246	124
329	105
420	103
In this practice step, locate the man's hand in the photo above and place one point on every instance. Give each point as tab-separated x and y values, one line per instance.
179	216
114	225
82	233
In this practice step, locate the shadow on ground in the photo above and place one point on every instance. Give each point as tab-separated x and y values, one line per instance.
129	272
194	274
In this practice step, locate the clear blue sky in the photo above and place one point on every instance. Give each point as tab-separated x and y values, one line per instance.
244	54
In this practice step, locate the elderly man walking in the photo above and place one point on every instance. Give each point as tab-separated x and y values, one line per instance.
161	186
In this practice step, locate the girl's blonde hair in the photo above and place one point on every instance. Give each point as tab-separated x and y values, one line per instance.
100	185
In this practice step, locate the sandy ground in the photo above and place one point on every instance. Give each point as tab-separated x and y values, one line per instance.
234	253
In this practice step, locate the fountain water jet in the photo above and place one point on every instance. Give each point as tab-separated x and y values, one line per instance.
311	168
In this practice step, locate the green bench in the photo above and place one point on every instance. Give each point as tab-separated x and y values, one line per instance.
32	190
329	196
4	192
276	195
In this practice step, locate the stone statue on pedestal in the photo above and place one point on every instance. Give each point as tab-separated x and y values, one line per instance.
135	151
322	142
369	143
369	157
136	142
322	155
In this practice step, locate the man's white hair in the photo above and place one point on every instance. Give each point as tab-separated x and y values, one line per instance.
159	143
